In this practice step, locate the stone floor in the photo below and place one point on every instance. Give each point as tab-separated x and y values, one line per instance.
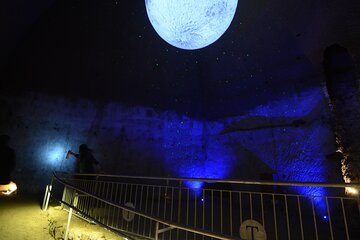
21	218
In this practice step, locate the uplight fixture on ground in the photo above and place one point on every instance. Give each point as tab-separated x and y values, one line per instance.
8	189
351	191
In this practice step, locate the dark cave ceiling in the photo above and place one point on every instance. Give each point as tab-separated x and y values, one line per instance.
108	50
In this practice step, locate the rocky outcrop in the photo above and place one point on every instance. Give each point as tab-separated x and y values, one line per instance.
343	89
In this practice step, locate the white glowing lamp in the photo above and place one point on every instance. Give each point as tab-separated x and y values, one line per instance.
190	24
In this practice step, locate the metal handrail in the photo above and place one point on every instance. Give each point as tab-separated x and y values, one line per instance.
94	220
171	206
234	181
158	220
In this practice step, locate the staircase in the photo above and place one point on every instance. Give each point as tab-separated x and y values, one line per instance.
189	208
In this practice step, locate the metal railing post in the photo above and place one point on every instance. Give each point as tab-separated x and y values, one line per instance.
46	197
224	211
69	216
179	208
63	198
157	231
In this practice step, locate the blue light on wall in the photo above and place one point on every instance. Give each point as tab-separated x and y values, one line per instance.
53	154
195	148
298	153
188	154
298	105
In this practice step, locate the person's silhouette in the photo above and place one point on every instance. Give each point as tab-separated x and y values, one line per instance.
84	159
7	160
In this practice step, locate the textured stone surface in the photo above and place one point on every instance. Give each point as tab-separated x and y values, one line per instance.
288	139
188	24
344	94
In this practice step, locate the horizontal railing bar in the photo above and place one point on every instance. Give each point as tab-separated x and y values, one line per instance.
77	215
93	219
212	180
138	184
133	234
82	195
235	191
165	229
174	225
246	192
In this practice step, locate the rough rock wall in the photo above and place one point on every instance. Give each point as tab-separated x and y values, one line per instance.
343	89
286	139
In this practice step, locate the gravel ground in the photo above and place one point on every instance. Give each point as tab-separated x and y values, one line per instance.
21	218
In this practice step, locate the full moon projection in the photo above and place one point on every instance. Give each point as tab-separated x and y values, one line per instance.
189	24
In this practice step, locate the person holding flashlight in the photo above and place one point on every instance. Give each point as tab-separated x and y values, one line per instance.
85	160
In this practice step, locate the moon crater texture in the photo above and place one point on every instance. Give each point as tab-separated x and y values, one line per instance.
190	24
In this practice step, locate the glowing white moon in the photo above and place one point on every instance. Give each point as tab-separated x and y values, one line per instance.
190	24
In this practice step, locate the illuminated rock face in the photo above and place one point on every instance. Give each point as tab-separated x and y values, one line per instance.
285	138
343	92
189	24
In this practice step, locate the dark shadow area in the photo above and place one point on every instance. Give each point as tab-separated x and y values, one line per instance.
7	160
109	51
